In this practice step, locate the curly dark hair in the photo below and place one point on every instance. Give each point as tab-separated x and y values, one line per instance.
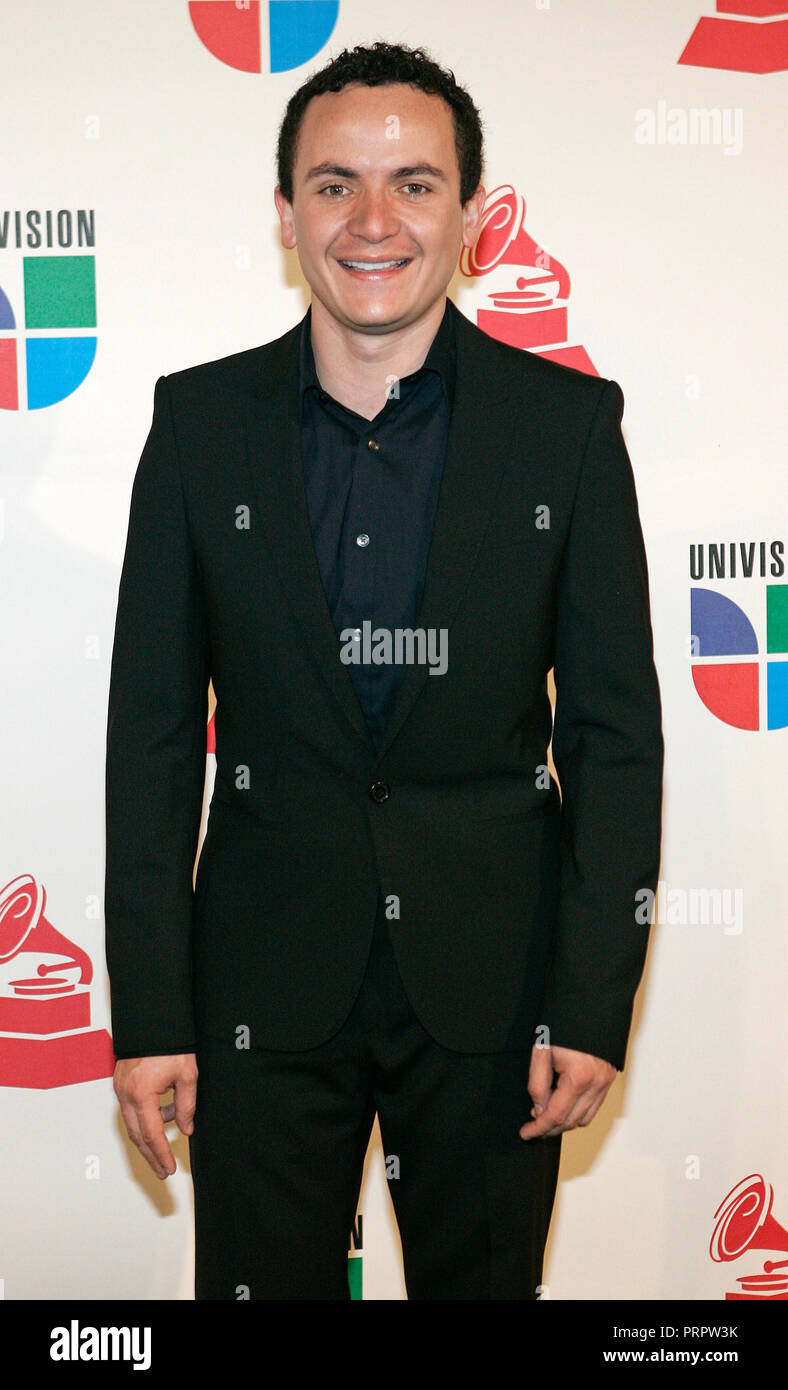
374	66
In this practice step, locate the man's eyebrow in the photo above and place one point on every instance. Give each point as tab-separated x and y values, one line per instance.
406	171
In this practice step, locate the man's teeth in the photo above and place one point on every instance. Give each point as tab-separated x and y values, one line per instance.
373	265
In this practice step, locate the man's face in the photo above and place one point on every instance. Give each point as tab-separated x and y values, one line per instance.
376	179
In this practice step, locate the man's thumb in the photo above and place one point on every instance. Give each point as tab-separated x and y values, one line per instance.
540	1078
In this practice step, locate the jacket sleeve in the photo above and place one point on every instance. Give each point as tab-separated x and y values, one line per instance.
155	766
607	750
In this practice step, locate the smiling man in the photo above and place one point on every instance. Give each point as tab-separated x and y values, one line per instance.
396	909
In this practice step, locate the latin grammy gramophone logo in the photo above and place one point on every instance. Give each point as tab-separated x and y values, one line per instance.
526	290
744	1222
45	1035
743	36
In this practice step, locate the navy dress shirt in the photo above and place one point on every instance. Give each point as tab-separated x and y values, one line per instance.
372	489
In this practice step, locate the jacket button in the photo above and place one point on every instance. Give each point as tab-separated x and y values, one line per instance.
380	791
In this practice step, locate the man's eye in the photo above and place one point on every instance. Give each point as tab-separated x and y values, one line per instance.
329	187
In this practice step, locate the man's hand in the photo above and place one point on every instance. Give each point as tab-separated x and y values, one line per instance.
583	1083
138	1082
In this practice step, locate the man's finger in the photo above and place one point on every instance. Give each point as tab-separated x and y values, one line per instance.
135	1136
185	1103
540	1076
146	1129
563	1101
587	1117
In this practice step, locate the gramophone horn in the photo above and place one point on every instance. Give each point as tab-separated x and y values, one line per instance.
744	1221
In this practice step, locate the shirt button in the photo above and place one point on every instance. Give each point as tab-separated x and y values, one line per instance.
380	791
356	634
363	539
373	445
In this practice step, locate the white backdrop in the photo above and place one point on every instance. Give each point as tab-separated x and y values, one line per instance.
658	186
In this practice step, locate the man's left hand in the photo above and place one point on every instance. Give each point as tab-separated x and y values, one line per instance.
583	1083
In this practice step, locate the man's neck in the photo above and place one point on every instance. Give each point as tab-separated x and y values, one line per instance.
358	369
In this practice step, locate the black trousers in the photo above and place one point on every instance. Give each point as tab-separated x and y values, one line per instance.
278	1150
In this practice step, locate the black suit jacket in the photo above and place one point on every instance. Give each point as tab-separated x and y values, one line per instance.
512	906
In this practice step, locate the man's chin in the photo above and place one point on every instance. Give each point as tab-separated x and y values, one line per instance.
365	320
383	317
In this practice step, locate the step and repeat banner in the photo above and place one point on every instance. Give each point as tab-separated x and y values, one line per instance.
635	229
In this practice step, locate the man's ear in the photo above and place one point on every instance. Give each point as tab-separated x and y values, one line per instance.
472	217
286	218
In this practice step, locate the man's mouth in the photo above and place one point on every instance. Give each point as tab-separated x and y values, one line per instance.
374	269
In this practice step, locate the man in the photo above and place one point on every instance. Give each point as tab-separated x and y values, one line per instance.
395	909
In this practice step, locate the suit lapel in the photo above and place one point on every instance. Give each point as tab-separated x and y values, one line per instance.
476	455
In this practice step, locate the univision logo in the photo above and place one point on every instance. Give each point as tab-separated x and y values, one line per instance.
47	306
232	31
740	658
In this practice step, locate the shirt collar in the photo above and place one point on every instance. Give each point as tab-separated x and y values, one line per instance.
441	358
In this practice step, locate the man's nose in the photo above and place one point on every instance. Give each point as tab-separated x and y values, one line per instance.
374	217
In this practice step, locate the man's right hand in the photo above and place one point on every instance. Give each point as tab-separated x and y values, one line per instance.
138	1082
